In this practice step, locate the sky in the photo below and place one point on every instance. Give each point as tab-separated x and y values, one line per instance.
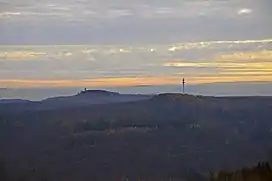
81	43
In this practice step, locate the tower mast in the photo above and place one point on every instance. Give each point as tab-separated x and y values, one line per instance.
183	85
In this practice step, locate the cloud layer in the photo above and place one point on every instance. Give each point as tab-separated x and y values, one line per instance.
199	62
62	42
122	21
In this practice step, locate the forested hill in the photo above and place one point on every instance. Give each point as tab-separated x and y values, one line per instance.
84	98
141	137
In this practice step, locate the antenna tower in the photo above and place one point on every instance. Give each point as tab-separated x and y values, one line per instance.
183	85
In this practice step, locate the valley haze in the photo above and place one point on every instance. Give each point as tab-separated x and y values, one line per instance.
212	89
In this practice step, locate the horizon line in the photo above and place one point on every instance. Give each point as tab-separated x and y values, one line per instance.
133	86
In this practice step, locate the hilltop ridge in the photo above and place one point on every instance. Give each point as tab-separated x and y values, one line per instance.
98	93
175	97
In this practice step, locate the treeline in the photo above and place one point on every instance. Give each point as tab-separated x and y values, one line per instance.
261	172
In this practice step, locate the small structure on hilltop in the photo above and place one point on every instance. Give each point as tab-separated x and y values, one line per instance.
83	91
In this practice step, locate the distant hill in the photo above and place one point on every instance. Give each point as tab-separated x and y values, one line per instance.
103	135
84	98
92	97
97	93
13	101
211	89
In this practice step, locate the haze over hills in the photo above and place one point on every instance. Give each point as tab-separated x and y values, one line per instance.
212	89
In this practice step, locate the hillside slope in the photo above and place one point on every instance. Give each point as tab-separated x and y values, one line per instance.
165	136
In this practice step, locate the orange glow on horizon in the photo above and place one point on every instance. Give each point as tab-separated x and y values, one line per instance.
129	81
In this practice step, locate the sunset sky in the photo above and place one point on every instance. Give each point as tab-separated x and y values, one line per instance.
66	43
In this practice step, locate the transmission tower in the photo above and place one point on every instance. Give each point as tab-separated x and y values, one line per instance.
183	85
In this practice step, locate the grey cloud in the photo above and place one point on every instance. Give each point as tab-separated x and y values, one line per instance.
134	30
197	60
114	9
123	38
120	21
